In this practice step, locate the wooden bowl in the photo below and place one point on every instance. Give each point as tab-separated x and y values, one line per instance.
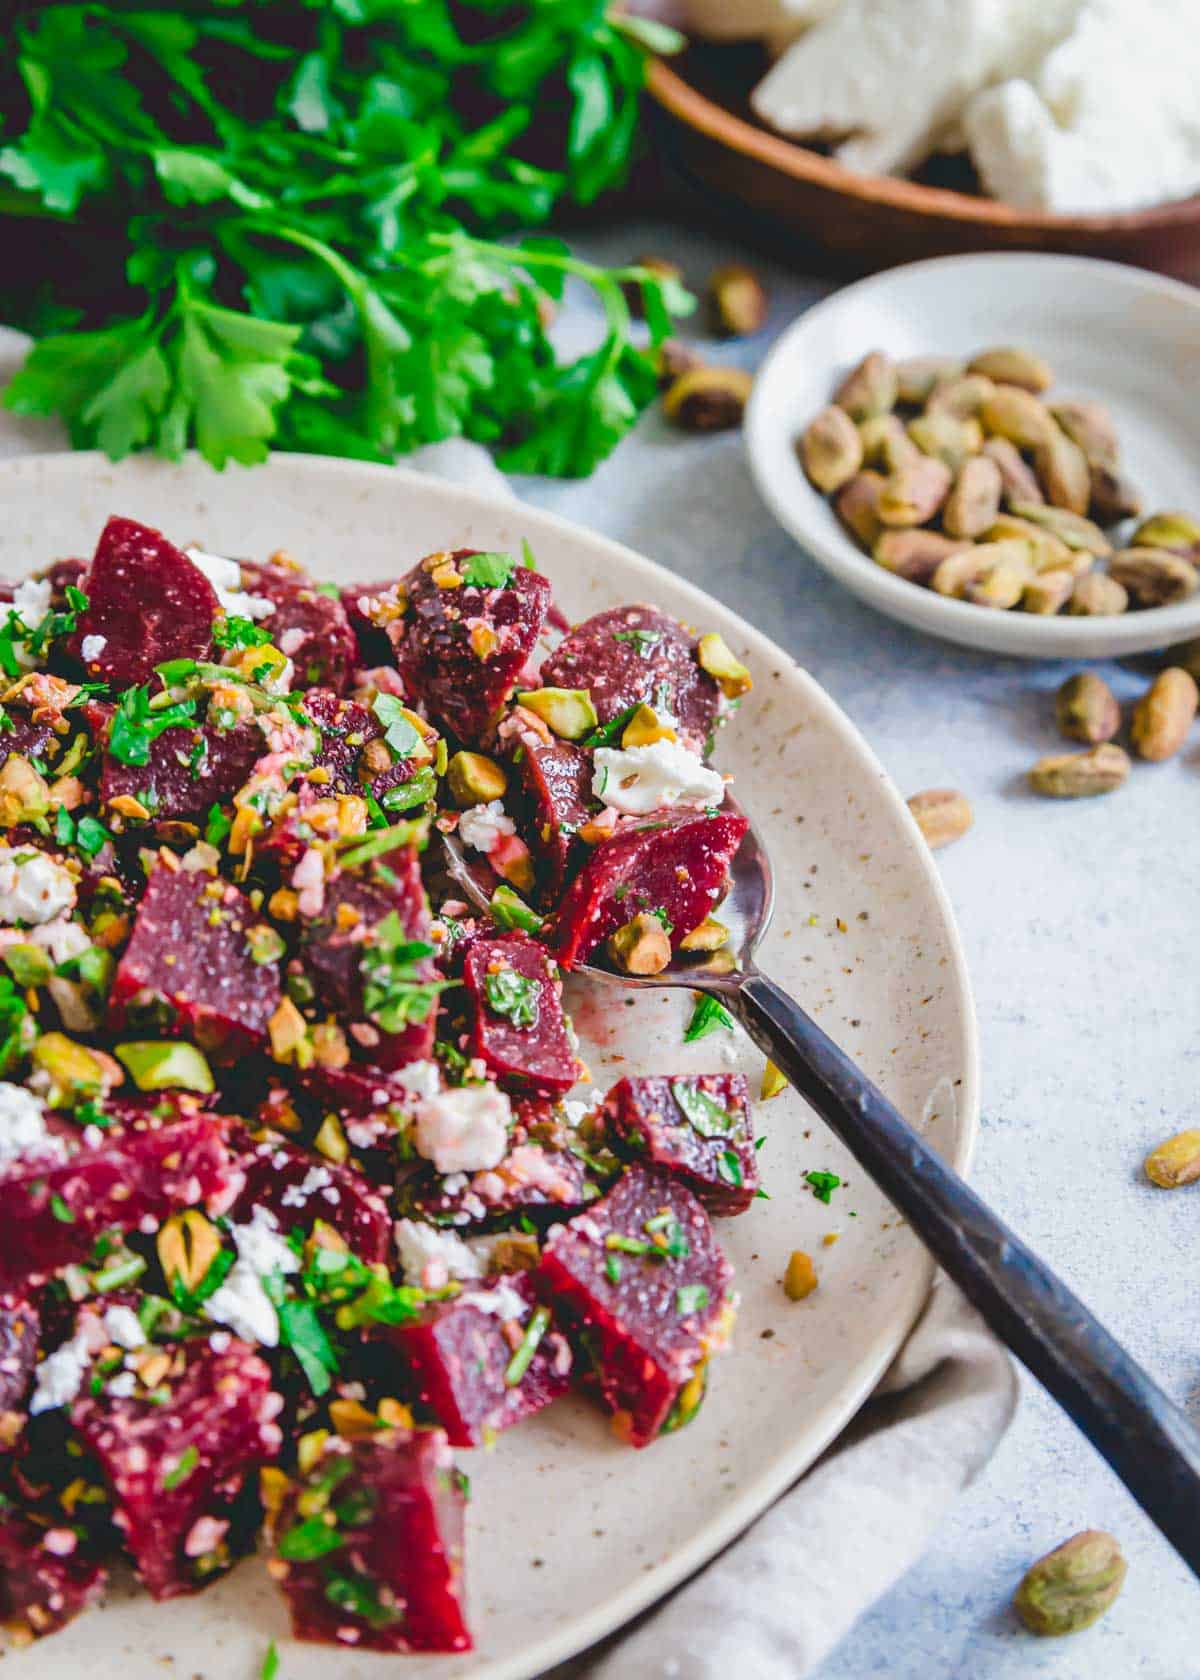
868	221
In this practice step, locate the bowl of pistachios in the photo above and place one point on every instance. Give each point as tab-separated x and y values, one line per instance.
1002	450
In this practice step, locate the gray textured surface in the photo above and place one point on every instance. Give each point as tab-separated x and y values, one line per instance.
1080	925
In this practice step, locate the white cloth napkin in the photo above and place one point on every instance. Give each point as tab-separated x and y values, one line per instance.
778	1600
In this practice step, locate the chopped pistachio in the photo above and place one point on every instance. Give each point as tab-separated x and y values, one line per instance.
475	779
567	711
722	664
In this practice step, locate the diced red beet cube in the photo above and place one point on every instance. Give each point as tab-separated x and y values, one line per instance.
192	953
346	729
640	1283
182	1474
309	624
147	601
518	1028
299	1187
553	801
333	944
631	656
52	1209
387	1574
188	770
679	866
46	1578
462	649
24	737
695	1126
458	1359
20	1330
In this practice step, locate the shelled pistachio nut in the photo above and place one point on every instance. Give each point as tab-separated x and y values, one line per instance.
1003	582
1096	595
831	449
1072	1586
737	303
1086	709
1164	715
917	376
1017	476
1178	532
1008	364
1090	426
946	439
1068	527
1112	496
915	554
1016	414
870	388
968	571
1101	769
974	502
1063	472
708	399
1048	592
1153	577
914	494
885	442
1175	1162
942	814
963	397
857	506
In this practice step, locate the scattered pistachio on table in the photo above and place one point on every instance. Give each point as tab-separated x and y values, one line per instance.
1081	775
800	1279
978	455
1072	1586
942	814
708	399
1086	709
1164	715
737	303
1175	1162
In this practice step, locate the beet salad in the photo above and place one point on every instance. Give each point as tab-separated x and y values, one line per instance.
298	1194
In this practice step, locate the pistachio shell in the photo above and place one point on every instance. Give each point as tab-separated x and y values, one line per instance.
1009	365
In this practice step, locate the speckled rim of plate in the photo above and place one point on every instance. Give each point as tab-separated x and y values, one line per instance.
1134	299
167	495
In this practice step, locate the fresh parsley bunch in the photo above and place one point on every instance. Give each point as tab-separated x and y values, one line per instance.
256	223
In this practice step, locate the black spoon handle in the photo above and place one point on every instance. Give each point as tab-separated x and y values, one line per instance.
1148	1441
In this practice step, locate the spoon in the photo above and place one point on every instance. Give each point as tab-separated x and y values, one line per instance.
1153	1447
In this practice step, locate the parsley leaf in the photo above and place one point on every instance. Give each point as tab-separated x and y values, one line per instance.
513	995
823	1184
708	1016
235	632
394	994
399	732
702	1112
488	570
135	727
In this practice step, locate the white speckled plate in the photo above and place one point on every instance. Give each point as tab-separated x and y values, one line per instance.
571	1534
1113	334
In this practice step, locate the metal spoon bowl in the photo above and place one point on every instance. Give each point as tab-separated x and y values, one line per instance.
1148	1441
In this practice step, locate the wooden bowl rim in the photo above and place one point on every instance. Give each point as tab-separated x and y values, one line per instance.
698	112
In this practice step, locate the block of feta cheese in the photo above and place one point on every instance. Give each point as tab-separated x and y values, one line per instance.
883	80
1108	121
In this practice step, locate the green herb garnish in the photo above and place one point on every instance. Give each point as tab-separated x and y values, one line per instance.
135	727
823	1184
521	1360
690	1298
235	632
703	1113
270	1663
394	993
182	1468
645	641
513	995
418	790
509	910
708	1016
315	1537
60	1210
399	732
488	570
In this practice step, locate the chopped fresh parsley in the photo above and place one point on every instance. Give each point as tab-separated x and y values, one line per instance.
235	632
60	1210
703	1113
270	1663
394	993
418	790
90	835
217	825
399	732
730	1169
513	995
609	733
709	1016
312	1538
135	726
360	1596
489	570
645	641
690	1298
823	1184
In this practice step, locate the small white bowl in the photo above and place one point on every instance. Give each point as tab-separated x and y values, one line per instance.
1113	334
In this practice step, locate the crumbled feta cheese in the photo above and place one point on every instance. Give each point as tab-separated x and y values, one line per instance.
23	1129
122	1326
240	1301
429	1257
36	889
464	1130
226	579
60	1375
31	601
292	640
61	939
1060	138
93	646
503	1302
123	1385
483	825
422	1079
316	1178
575	1110
638	780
